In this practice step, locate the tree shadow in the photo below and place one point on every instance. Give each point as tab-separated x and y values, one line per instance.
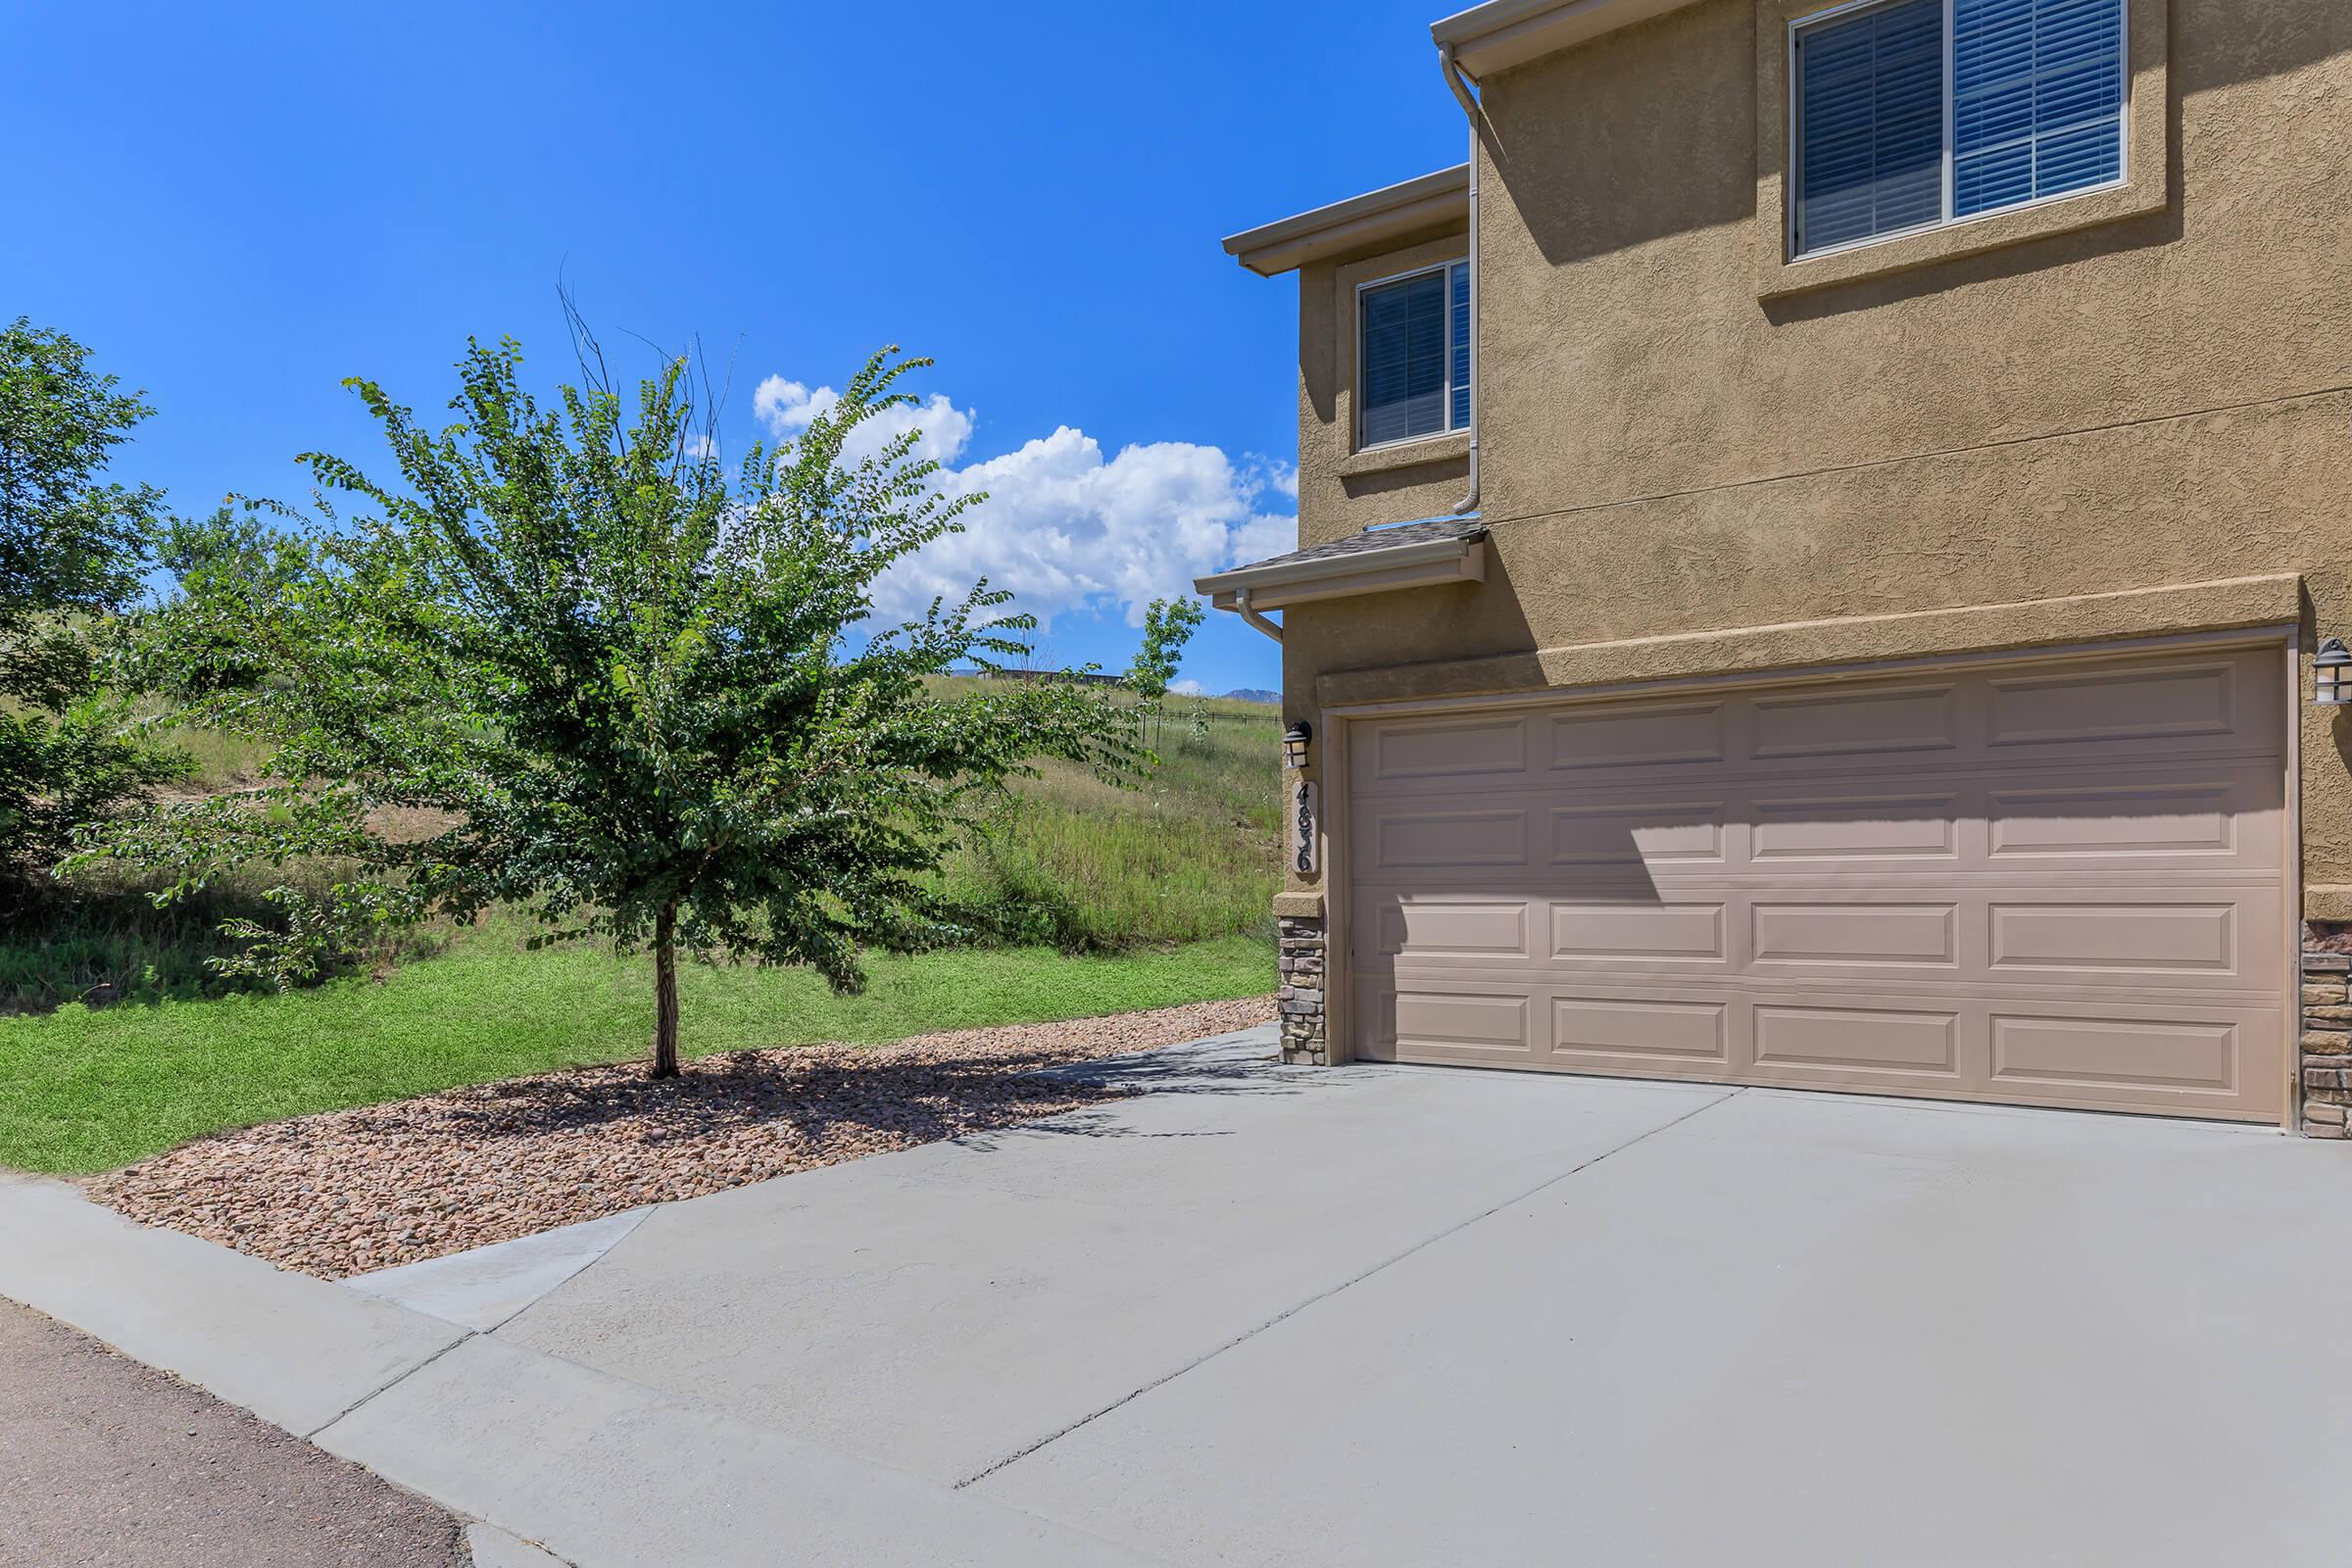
823	1097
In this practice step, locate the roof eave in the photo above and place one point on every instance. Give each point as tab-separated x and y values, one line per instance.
1360	222
1502	33
1278	584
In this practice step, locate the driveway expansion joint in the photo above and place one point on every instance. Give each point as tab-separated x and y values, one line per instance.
494	1547
387	1386
1351	1282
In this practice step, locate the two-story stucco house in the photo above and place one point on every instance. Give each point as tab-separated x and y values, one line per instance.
1817	545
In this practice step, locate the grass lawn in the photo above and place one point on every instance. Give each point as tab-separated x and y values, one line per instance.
85	1090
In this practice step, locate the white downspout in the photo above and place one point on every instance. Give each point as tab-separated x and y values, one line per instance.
1456	79
1255	617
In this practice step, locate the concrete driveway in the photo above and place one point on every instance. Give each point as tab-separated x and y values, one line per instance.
1414	1316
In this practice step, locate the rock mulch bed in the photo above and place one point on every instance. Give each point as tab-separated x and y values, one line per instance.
349	1190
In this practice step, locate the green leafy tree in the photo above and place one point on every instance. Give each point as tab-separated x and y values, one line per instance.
73	545
1168	625
231	564
619	687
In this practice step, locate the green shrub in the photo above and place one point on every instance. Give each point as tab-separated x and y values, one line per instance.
105	941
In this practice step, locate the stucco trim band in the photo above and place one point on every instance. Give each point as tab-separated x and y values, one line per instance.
2228	605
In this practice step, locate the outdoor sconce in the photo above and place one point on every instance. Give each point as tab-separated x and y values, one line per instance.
2333	666
1294	740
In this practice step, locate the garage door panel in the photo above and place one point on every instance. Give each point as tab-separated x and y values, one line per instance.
2107	1053
2167	936
2229	824
1658	933
2120	714
2058	884
1895	988
1403	752
1499	929
1685	833
1879	1040
2203	706
1429	840
2132	821
1840	724
1432	933
2126	819
1445	1021
1856	826
1983	936
1681	734
2060	940
2205	825
1632	1029
1855	932
1492	1023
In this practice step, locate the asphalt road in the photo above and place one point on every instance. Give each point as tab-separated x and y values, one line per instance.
105	1461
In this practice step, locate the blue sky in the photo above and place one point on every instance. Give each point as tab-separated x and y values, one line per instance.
237	206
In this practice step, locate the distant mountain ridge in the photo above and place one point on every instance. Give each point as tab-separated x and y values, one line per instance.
1254	694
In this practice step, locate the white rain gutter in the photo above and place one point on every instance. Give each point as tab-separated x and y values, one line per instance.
1502	33
1456	79
1367	221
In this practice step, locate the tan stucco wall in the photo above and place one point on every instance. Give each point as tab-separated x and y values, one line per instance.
1340	490
2156	401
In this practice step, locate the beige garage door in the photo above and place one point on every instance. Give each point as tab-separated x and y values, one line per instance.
2053	885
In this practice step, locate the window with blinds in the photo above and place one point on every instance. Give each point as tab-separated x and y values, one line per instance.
1916	112
1413	355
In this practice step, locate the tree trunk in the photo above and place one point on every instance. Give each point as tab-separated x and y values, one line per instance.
666	991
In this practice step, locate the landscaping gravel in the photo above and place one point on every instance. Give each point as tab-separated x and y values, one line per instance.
350	1191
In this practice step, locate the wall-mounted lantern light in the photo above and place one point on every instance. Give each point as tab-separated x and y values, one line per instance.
1296	739
2332	687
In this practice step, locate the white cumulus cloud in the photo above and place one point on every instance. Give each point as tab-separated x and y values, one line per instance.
944	429
1064	526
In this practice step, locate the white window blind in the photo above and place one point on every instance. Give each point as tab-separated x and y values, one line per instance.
1870	124
2038	99
1917	112
1413	355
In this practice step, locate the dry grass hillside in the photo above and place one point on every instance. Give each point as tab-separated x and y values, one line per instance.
1188	855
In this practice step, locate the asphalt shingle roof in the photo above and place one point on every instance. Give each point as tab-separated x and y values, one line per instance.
1373	540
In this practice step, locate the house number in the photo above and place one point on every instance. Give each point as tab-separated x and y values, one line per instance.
1303	828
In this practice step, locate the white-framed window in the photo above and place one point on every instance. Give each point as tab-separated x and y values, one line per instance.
1909	115
1412	354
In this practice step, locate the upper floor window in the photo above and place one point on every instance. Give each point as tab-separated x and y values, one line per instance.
1911	114
1413	355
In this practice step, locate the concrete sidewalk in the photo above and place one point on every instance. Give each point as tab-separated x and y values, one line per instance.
1366	1316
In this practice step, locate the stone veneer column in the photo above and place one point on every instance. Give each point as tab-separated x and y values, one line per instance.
2326	1028
1299	954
